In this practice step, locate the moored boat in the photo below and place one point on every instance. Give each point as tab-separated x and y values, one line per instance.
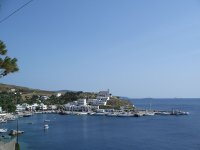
3	130
111	114
15	132
99	114
46	120
125	115
46	126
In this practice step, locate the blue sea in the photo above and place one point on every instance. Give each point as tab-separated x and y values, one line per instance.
115	133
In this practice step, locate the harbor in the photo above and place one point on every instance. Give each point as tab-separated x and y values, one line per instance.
102	106
8	117
85	123
117	113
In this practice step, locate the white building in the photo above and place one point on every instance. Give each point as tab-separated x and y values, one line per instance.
102	102
43	107
34	106
58	94
82	102
20	107
44	97
93	102
12	90
52	107
104	95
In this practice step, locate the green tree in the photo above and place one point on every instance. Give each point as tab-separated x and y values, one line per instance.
8	101
7	64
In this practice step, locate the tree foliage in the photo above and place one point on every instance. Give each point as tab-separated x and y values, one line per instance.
69	97
116	103
7	64
9	100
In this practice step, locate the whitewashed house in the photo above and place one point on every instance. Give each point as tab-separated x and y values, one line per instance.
34	106
22	107
82	102
93	102
58	94
103	97
52	107
12	90
43	107
44	97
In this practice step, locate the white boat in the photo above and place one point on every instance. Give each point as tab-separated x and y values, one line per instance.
163	113
11	119
99	114
178	112
3	120
3	130
46	120
46	126
125	115
149	113
82	113
15	132
27	115
90	113
138	114
111	114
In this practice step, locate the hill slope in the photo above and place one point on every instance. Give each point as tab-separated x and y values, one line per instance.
24	90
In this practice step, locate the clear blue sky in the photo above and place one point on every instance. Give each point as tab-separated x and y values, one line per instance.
136	48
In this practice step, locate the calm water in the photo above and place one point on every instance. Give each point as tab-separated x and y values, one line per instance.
116	133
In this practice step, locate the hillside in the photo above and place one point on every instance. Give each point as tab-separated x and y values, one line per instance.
25	90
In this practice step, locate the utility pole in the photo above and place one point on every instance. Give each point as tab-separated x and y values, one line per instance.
17	147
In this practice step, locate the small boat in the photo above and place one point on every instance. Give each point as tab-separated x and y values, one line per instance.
27	115
82	113
178	112
111	114
138	114
3	130
163	113
46	120
90	113
15	132
64	113
3	121
99	114
149	113
46	126
125	115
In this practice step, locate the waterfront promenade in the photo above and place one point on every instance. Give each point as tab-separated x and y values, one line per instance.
8	145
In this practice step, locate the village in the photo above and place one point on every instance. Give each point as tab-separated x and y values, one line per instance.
97	107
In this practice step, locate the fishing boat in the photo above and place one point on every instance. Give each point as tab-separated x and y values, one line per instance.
99	114
27	114
46	126
149	113
46	120
15	132
3	130
111	114
178	112
82	113
3	120
125	115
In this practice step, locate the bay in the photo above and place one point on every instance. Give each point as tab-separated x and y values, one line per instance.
115	133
